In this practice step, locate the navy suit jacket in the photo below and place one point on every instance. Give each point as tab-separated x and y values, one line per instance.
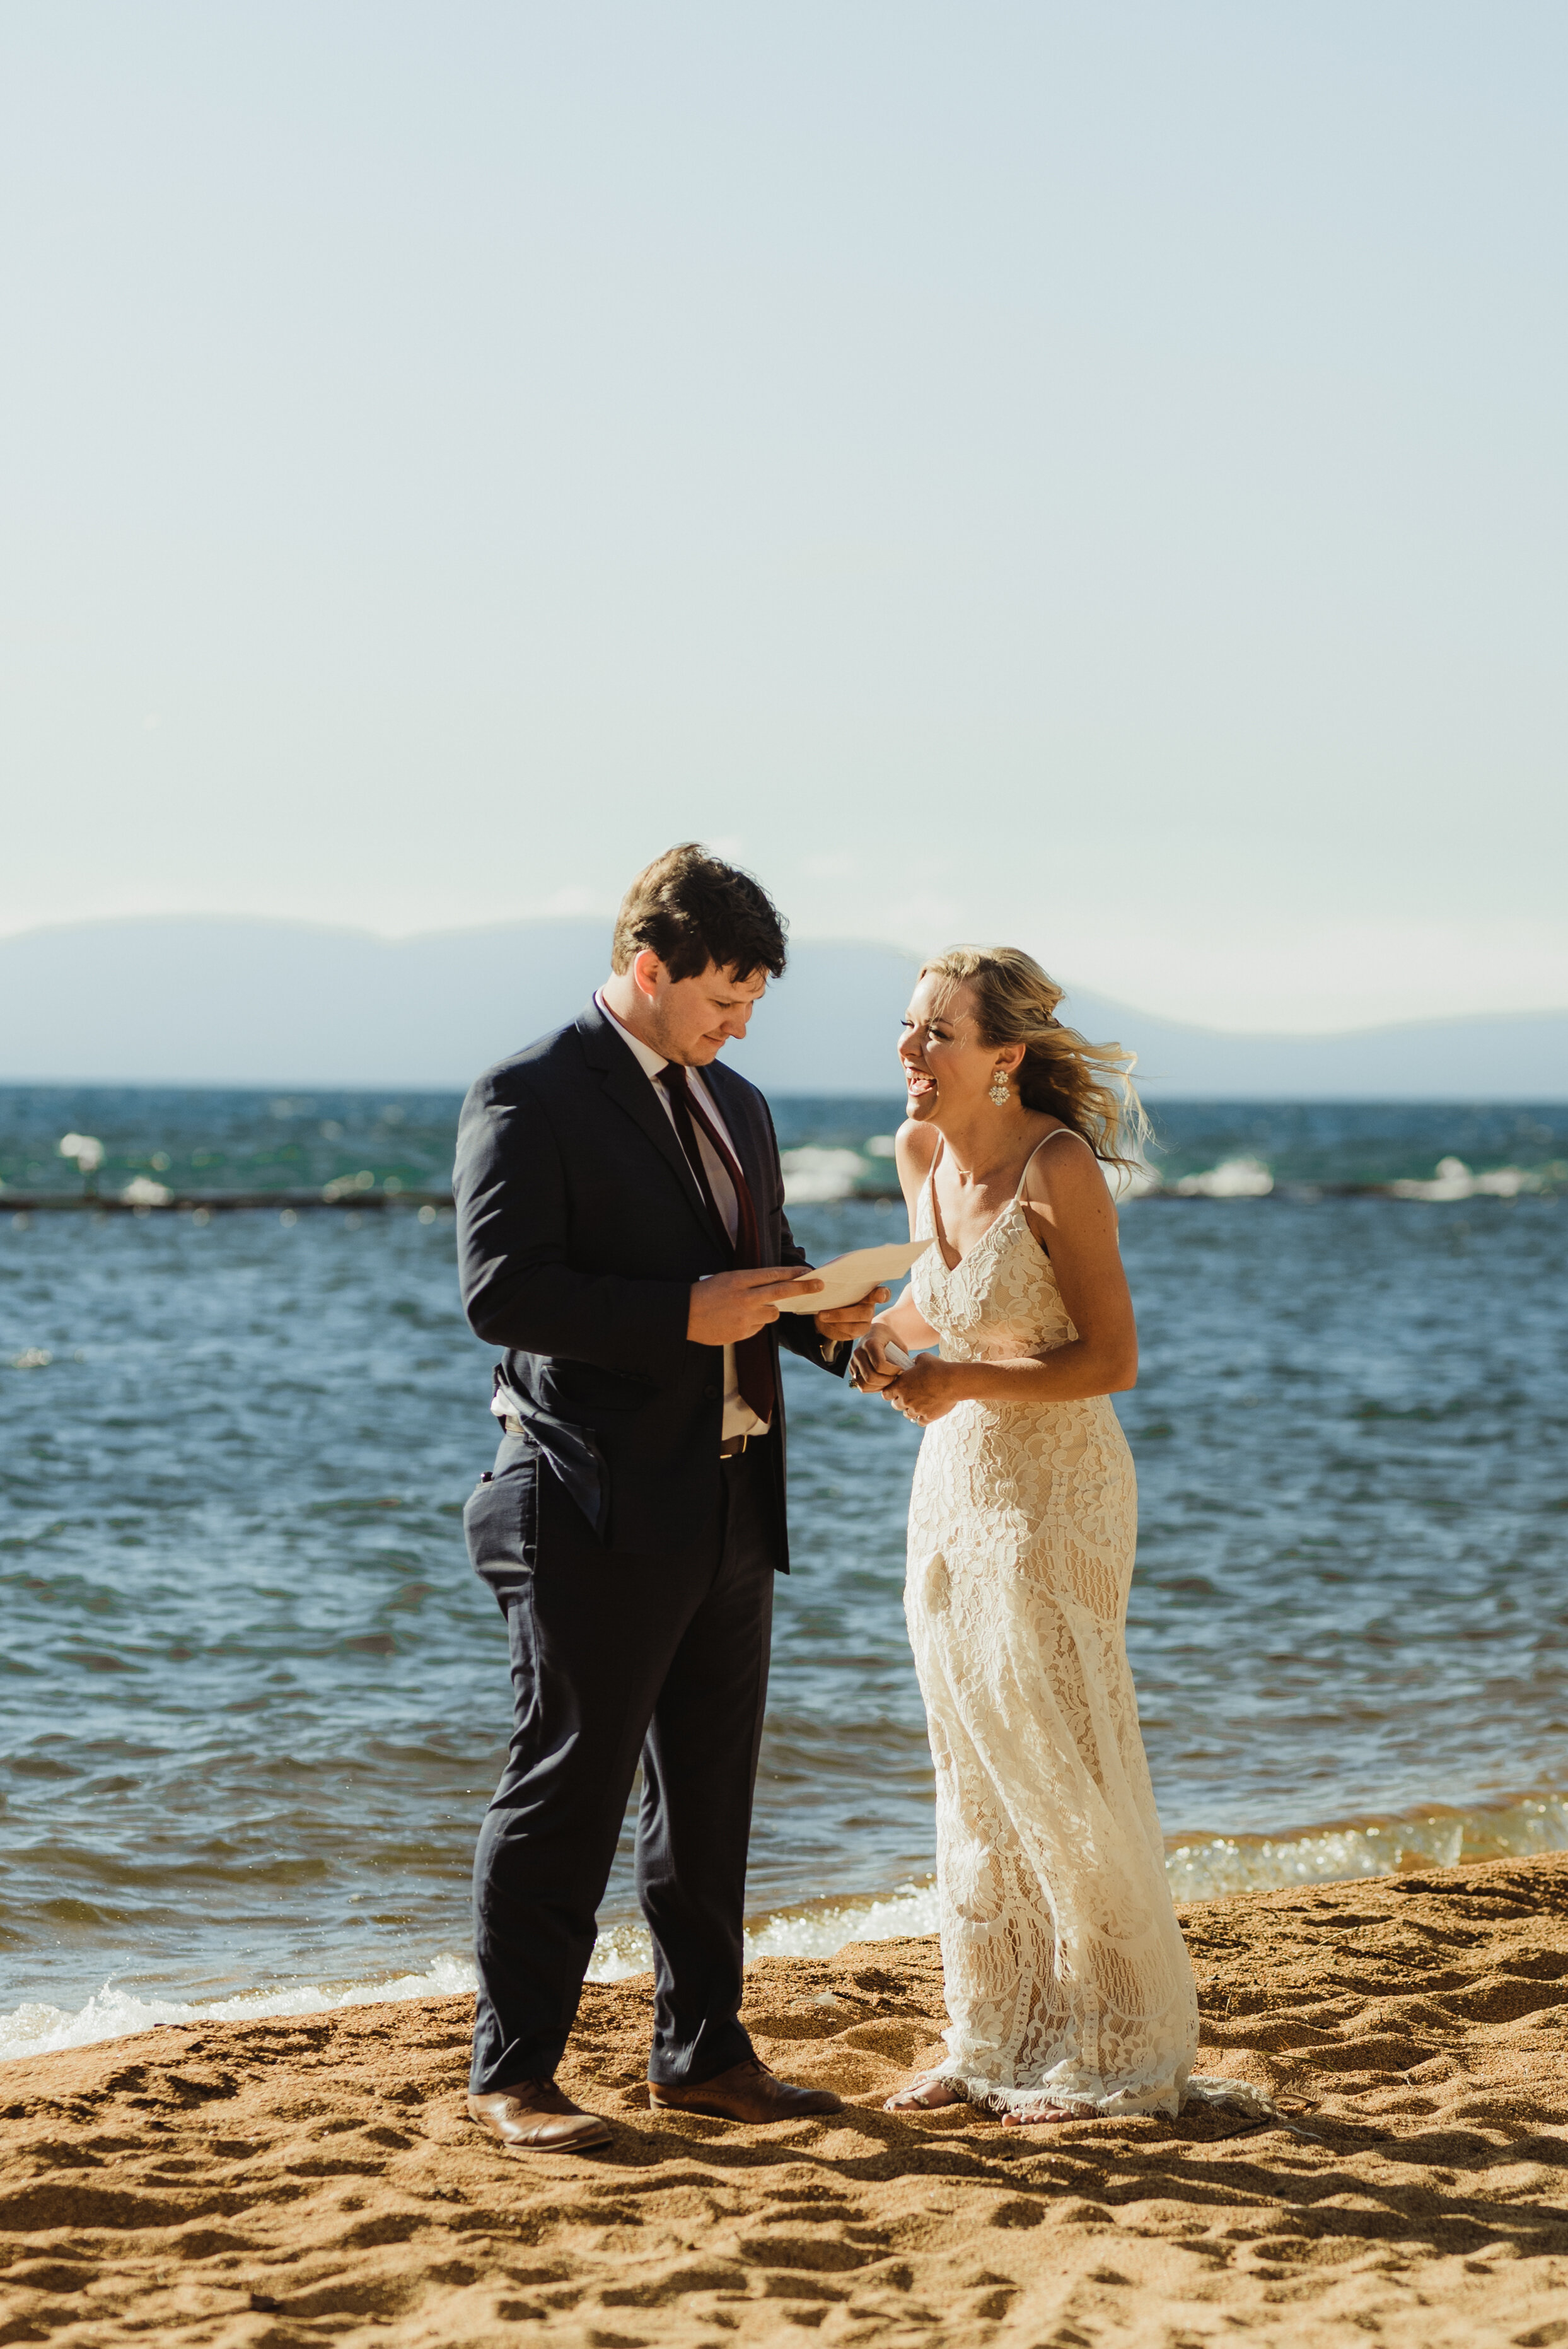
581	1229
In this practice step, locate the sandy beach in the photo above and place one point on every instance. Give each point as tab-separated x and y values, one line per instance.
313	2179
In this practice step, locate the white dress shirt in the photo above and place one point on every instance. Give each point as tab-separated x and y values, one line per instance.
739	1419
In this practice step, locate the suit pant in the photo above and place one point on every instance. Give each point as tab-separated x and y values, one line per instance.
617	1656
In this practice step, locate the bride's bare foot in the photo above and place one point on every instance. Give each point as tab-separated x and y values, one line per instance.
929	2094
1047	2112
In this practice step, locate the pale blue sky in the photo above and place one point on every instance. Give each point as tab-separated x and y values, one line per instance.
1091	474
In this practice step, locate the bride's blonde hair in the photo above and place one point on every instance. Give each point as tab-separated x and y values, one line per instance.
1088	1086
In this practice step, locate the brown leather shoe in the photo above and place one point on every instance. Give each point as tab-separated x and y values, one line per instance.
747	2092
534	2113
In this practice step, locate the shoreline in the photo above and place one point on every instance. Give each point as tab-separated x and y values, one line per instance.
312	2178
1202	1866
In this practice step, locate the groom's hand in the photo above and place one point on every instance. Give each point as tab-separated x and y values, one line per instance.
730	1306
849	1322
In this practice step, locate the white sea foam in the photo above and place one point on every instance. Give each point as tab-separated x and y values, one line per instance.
34	2029
1200	1866
1206	1867
819	1929
814	1175
1233	1178
1454	1180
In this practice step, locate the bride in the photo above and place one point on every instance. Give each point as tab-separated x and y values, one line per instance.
1067	1983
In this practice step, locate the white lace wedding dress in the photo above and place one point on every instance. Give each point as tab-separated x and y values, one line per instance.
1068	1981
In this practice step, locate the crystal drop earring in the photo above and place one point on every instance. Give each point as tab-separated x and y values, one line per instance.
1000	1090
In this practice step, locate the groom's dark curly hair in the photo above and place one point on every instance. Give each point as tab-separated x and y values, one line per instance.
690	909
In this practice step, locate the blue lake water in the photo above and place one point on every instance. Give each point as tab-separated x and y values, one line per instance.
251	1700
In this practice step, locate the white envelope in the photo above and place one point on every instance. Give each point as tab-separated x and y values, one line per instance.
845	1278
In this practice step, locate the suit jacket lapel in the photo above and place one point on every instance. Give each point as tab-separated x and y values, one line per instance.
630	1090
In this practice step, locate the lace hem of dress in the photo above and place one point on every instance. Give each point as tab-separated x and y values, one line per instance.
1027	2104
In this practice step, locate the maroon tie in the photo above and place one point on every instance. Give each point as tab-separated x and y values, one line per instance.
753	1356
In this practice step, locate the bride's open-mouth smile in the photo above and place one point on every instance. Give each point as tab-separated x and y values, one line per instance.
919	1083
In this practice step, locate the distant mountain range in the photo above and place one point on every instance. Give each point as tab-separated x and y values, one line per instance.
198	1000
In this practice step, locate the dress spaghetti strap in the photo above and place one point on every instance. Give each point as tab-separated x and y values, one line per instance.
1034	1154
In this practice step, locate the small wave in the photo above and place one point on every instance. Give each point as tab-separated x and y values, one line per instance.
1454	1180
34	2029
813	1177
1232	1178
814	1929
1208	1867
1200	1868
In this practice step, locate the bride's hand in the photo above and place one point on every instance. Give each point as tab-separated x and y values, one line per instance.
869	1368
928	1389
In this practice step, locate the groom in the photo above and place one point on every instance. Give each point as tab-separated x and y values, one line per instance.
622	1235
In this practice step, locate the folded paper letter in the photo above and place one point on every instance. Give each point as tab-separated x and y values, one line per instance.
846	1278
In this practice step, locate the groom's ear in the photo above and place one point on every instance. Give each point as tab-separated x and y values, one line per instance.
647	972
